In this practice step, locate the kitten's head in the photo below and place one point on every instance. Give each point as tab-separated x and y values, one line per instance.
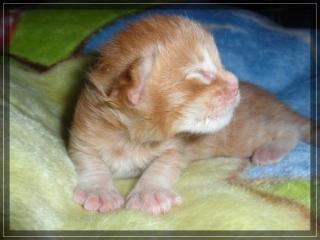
173	76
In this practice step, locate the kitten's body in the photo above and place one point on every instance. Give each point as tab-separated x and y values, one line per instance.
260	121
160	97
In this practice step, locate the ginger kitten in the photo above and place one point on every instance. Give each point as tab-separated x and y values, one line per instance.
158	98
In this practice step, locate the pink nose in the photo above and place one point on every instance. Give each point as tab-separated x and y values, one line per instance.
232	83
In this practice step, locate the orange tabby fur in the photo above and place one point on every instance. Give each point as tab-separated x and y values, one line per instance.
159	97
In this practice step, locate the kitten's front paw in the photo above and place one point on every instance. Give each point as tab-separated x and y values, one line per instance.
155	201
98	200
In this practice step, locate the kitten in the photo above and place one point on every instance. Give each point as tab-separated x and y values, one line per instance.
158	98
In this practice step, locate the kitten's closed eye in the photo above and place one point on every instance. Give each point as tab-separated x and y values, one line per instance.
203	68
204	76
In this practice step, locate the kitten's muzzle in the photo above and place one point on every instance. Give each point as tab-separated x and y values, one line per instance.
234	89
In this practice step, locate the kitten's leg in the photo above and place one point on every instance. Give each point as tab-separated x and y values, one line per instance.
95	190
274	150
268	154
153	192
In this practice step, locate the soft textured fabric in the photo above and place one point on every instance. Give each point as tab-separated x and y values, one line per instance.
46	36
218	194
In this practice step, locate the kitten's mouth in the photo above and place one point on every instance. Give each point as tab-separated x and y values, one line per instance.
234	101
229	109
237	99
211	120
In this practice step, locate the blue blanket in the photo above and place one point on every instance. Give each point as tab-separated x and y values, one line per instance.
258	51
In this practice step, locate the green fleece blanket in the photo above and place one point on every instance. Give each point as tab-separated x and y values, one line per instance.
42	176
46	36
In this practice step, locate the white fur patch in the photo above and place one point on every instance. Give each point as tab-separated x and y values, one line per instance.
193	124
207	125
206	65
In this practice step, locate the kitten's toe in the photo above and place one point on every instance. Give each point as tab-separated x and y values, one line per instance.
155	201
111	201
268	154
92	203
98	200
79	196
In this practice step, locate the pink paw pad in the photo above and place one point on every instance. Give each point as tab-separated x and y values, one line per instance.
111	202
267	155
153	201
98	200
79	197
92	203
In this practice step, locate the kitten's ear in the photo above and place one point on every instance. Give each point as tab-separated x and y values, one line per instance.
140	72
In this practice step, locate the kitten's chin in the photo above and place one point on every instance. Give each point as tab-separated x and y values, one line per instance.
210	125
207	125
